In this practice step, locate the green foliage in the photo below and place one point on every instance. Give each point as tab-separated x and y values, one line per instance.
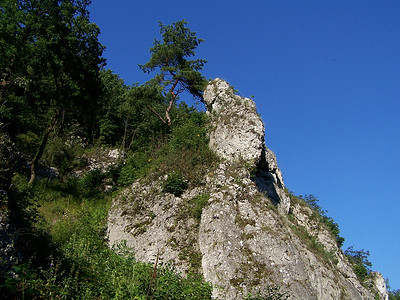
176	73
136	166
175	184
269	293
186	149
49	71
27	142
64	153
361	264
22	202
334	229
82	265
92	180
394	295
50	62
8	161
313	244
190	129
170	56
329	222
198	203
114	95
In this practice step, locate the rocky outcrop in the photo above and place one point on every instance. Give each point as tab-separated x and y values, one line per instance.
247	235
238	131
380	285
237	134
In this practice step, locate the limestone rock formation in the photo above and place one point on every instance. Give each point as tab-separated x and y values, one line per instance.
239	131
238	134
249	235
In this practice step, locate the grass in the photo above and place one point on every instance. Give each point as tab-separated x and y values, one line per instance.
313	244
80	265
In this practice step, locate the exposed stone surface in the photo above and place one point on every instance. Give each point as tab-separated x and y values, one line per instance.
380	285
238	134
103	160
151	221
249	236
238	131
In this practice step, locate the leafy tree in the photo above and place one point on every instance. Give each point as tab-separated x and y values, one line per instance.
359	259
176	72
394	295
50	59
140	126
124	118
115	94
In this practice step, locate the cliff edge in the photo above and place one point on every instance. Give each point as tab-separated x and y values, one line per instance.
250	233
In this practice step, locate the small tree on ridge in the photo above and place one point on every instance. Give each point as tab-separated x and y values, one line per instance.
176	72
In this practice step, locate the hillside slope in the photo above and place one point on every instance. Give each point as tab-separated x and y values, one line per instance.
239	226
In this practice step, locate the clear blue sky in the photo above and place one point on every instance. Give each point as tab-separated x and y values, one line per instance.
326	79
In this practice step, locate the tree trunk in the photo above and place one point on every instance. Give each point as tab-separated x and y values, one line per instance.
124	139
171	102
40	151
156	113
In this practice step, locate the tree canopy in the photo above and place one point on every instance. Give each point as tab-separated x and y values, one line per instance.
49	66
176	73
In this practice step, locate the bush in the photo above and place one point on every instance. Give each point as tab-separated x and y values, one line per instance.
64	153
92	180
329	222
136	166
175	184
394	295
198	203
361	264
190	133
82	265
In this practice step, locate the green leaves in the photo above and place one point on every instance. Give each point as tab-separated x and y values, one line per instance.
176	73
329	222
361	264
175	184
50	58
49	69
177	44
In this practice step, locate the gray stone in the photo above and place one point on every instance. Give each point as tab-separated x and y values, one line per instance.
238	131
249	236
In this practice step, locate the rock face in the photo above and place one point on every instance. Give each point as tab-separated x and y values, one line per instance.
380	285
237	135
249	235
239	131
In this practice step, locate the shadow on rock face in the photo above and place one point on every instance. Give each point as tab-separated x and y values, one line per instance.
268	177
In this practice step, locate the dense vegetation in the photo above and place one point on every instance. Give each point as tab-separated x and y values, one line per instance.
58	106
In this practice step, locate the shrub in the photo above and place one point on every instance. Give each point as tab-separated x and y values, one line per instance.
82	265
394	295
198	203
64	153
136	166
175	184
269	293
92	180
329	222
361	264
190	133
